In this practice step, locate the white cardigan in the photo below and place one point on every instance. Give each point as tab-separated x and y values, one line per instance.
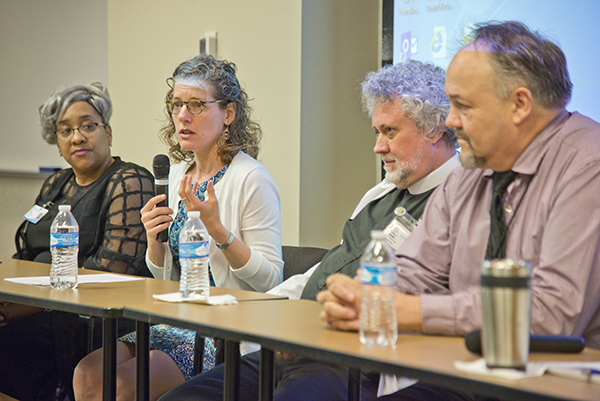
249	206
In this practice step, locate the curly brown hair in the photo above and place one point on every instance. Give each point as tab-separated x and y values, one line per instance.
244	133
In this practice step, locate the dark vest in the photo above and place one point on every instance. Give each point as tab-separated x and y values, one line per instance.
345	258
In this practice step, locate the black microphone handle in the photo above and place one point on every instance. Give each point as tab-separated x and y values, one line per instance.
537	343
162	189
161	166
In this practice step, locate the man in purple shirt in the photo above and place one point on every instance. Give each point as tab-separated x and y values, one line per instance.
508	91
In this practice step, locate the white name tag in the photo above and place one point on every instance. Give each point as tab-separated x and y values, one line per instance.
35	214
395	234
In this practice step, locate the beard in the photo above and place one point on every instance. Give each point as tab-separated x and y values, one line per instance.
404	170
467	156
398	175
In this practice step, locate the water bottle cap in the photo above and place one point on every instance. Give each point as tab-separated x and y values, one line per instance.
377	234
194	214
64	208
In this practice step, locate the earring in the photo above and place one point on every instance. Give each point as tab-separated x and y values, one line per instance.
226	133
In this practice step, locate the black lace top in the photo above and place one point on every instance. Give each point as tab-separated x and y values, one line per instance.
111	234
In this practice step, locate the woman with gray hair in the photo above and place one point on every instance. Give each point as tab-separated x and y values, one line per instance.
214	142
104	192
100	188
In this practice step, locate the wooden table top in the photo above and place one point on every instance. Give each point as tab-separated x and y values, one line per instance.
98	299
294	326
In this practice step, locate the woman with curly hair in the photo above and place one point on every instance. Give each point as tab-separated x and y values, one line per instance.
214	143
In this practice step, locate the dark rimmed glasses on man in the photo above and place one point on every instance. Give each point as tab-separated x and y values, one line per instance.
194	106
86	130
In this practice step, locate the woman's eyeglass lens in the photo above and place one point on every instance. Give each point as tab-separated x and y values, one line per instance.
194	107
86	129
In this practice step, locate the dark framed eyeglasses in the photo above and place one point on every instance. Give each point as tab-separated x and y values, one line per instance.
194	106
86	130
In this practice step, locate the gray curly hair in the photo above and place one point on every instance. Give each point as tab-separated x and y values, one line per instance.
420	86
53	109
244	133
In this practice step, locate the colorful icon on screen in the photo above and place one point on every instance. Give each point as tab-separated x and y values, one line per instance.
438	42
409	45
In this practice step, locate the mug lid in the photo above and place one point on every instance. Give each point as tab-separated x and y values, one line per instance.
505	268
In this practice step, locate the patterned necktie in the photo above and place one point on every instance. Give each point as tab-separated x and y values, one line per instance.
496	247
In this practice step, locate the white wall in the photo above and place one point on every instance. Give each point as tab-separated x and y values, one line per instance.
339	46
44	46
148	39
301	62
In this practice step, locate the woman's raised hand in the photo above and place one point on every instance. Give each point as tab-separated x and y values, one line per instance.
208	208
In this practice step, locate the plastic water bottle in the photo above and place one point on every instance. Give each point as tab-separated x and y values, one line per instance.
378	277
193	257
64	244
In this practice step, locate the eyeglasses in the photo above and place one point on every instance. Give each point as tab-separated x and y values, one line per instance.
195	107
86	130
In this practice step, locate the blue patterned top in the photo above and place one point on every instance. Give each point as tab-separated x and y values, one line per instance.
181	217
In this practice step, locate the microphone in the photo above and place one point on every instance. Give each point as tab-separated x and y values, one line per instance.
537	343
161	166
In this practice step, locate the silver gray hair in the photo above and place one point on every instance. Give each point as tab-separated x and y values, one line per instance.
521	57
51	112
420	86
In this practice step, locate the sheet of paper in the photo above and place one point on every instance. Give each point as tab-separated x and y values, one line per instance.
81	279
225	299
576	370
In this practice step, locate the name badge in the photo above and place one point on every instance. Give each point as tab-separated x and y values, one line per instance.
395	234
35	214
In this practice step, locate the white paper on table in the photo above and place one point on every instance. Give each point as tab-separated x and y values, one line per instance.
225	299
533	369
81	279
478	367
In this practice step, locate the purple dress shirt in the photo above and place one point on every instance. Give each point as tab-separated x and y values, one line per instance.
556	227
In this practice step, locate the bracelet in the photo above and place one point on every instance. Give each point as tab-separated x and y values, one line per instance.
226	243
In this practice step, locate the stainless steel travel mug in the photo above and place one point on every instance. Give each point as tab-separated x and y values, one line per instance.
506	310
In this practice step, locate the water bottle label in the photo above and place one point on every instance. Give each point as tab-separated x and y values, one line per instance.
61	240
193	249
378	275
